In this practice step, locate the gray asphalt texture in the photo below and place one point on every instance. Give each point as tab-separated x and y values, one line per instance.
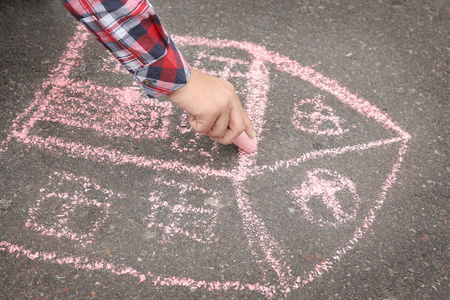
392	53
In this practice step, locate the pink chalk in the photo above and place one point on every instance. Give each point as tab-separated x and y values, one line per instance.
246	143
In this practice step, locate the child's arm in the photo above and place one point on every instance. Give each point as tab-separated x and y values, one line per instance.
132	32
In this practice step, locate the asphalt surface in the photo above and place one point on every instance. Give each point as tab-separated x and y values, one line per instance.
105	194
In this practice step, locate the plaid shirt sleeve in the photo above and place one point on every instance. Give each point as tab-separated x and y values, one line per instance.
132	32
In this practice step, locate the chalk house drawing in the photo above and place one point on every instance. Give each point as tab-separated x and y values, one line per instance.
57	99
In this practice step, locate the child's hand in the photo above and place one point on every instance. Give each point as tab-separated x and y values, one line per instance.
214	108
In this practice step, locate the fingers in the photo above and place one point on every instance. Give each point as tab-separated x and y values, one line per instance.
220	126
201	124
209	127
225	127
236	126
214	107
238	122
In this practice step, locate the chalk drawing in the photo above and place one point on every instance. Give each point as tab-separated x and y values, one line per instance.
321	120
125	112
325	184
225	72
70	212
110	65
115	112
182	218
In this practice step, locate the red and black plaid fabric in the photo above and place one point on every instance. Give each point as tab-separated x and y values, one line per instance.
132	32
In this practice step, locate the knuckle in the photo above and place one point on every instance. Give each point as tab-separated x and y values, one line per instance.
226	141
229	86
215	111
203	130
216	133
240	127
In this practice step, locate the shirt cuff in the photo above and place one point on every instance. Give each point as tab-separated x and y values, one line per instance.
166	75
133	33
